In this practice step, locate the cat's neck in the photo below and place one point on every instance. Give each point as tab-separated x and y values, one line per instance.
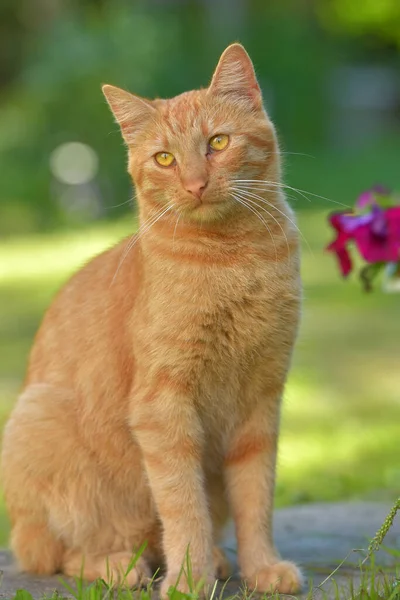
227	242
177	229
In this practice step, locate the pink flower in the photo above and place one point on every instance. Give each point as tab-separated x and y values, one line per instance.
374	228
376	235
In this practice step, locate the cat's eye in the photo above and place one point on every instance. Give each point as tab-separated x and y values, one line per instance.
219	142
165	159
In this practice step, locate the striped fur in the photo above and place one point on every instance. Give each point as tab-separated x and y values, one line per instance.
150	410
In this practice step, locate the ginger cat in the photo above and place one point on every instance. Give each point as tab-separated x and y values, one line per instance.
151	404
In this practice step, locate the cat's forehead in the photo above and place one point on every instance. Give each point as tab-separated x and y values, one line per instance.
186	113
187	121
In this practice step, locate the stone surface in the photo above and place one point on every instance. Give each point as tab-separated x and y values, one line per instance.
319	536
316	536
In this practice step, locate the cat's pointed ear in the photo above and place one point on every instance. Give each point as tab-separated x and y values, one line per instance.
235	76
131	112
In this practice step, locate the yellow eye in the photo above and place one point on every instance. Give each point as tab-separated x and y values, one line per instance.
165	159
219	142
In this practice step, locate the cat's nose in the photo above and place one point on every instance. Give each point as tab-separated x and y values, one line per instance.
196	186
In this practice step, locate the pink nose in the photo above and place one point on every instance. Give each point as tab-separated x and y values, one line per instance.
196	187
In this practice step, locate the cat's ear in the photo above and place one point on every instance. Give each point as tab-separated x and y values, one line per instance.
131	112
235	76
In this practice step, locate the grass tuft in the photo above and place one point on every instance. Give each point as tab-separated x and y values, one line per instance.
377	541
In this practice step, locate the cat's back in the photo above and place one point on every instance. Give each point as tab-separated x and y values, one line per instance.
85	326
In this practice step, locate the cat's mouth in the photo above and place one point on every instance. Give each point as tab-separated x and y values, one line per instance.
206	209
207	200
204	205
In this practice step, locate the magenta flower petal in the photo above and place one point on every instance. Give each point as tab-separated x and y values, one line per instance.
350	222
343	256
384	246
379	225
368	197
338	246
337	221
345	263
365	199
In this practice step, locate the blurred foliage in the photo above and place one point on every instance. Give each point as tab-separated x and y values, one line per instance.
55	54
379	18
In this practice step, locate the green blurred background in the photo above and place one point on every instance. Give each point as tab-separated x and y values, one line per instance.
329	70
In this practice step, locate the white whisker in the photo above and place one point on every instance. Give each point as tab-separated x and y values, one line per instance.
129	201
253	203
262	199
135	238
295	153
260	217
272	184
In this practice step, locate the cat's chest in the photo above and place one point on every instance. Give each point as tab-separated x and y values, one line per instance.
231	317
212	316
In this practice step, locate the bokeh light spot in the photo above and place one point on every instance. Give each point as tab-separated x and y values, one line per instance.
74	163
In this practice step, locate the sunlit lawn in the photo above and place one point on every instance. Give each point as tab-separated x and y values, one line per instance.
340	437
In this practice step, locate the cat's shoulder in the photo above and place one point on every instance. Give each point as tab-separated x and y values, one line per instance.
109	273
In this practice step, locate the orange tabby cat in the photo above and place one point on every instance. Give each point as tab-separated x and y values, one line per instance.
151	404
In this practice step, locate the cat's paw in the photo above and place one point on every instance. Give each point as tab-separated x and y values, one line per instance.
179	582
117	571
222	566
282	577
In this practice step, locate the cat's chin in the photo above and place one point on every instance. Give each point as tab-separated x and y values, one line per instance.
214	210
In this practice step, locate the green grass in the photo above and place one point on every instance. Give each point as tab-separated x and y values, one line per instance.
340	422
367	582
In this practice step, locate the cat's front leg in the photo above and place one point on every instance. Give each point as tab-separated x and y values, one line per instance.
250	476
167	428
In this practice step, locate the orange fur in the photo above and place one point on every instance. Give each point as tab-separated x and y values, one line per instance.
150	410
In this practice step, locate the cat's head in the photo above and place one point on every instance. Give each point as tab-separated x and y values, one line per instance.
189	150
